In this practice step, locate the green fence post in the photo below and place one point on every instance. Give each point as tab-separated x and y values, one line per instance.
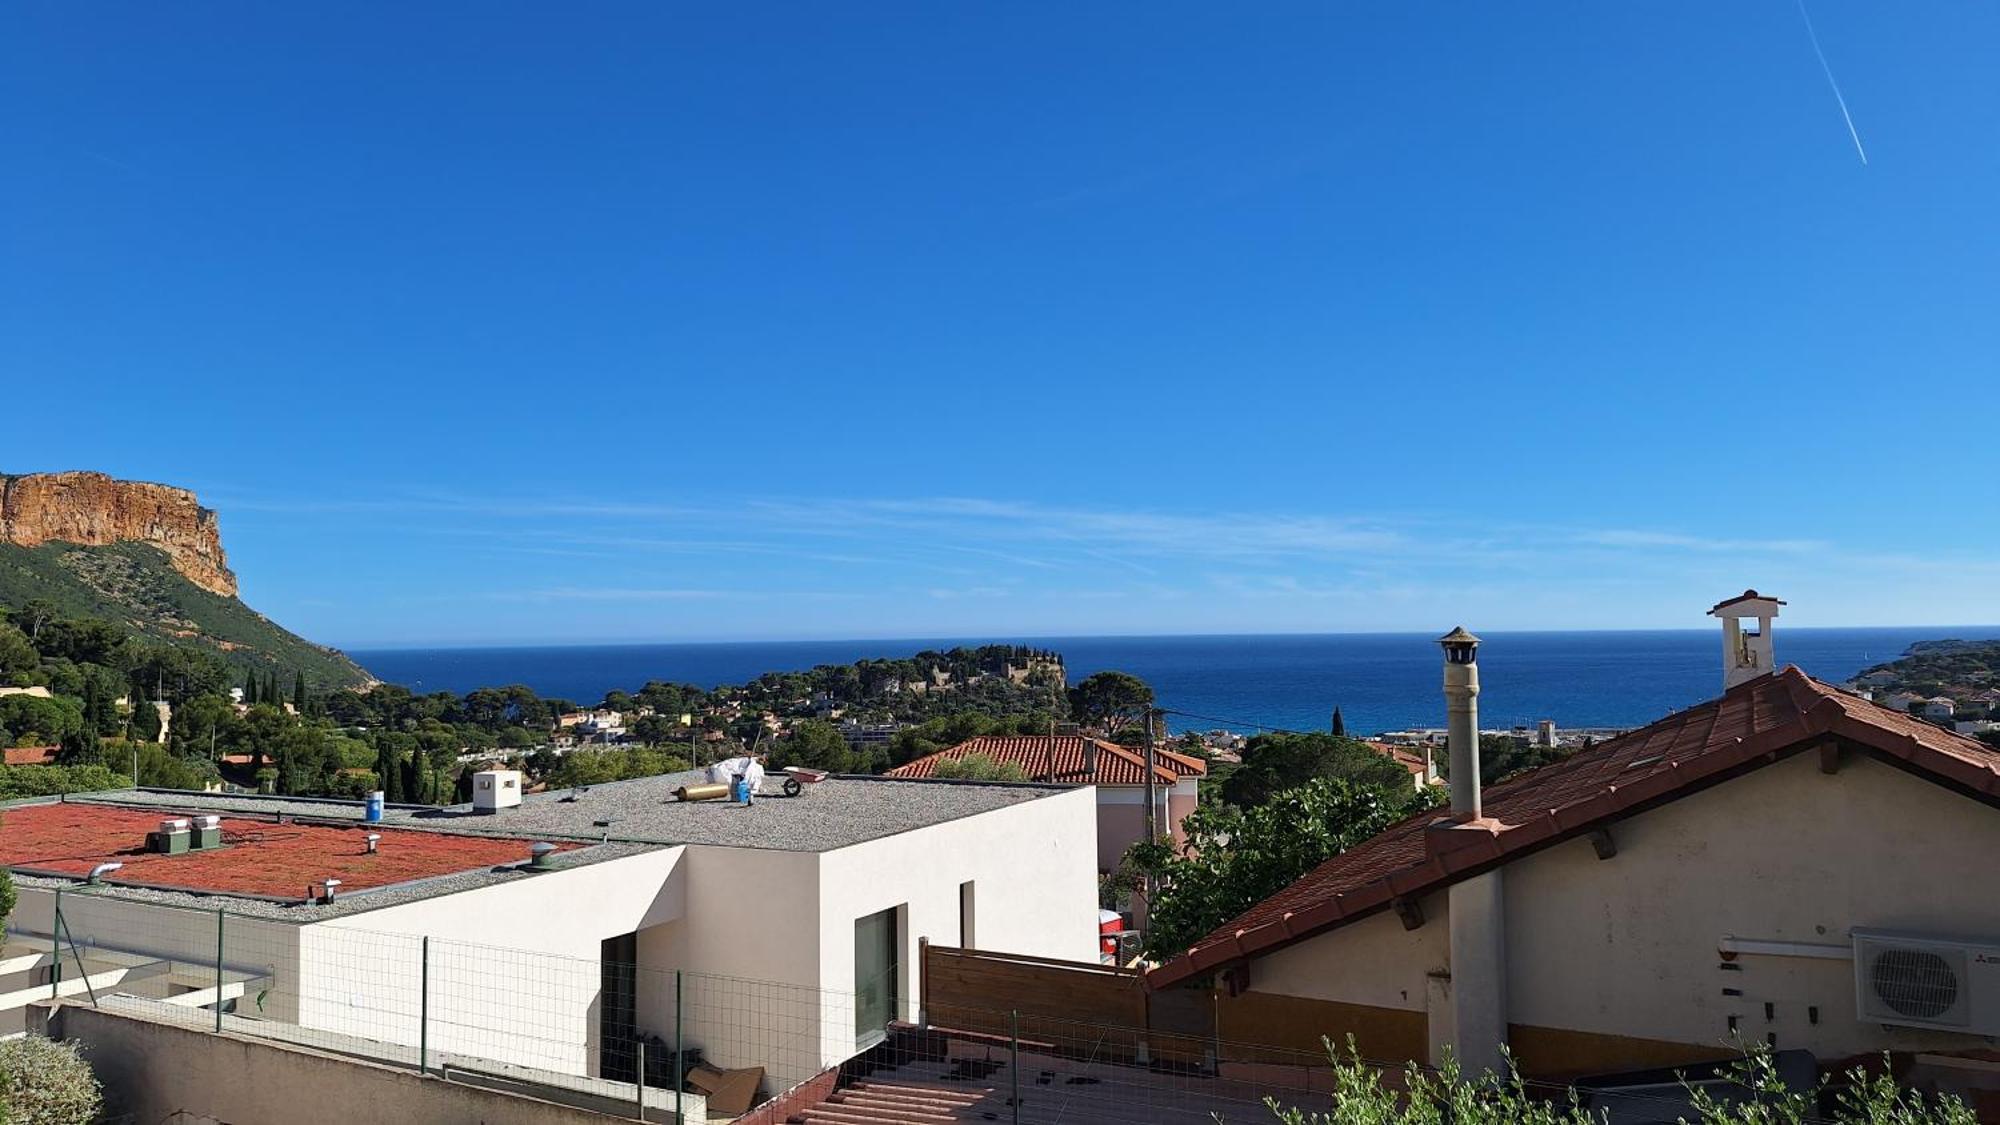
680	1077
55	948
1014	1059
424	1011
218	968
639	1081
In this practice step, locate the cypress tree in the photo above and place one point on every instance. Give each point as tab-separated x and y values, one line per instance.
270	694
413	778
250	688
1339	724
299	692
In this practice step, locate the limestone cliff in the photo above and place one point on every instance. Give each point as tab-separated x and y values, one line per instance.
96	511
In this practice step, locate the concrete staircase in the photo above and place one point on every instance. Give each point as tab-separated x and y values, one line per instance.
869	1102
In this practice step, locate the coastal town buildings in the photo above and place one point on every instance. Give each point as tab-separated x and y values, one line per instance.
1786	863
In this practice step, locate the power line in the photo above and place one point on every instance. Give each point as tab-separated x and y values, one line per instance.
1228	722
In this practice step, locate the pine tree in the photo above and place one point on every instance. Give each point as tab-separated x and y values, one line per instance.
1339	724
299	692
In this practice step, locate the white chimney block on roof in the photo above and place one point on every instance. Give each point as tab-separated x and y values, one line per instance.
1746	655
493	790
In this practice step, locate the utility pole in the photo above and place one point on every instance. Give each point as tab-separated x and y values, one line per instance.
1152	818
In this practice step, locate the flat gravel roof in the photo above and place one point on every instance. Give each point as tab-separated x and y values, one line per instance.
643	814
836	813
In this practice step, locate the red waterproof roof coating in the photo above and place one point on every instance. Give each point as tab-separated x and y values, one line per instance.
258	856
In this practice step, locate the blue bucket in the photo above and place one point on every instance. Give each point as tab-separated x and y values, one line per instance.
374	813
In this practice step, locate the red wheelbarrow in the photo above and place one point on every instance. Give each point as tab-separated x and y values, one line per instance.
798	777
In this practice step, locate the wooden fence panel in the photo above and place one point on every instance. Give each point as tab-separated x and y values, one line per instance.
1073	1005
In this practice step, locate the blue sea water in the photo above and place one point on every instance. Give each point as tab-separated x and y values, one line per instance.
1381	681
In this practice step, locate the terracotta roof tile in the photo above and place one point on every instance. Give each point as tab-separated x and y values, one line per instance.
1671	758
29	755
1061	758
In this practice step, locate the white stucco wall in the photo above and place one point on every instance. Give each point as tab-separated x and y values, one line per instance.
1374	961
1628	946
514	972
1034	873
750	981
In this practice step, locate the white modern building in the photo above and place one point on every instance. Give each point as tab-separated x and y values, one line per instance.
781	935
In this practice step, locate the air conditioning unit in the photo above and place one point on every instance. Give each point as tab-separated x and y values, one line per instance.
1915	981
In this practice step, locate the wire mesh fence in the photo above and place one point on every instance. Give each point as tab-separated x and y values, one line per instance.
613	1034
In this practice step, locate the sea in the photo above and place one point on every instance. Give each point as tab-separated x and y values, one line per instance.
1380	681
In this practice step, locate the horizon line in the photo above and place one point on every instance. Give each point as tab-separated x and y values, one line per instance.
1024	638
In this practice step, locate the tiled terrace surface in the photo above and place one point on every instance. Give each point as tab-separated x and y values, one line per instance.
975	1083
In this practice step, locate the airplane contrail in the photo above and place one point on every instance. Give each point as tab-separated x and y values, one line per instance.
1833	85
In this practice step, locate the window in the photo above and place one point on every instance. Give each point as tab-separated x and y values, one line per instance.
617	1033
877	976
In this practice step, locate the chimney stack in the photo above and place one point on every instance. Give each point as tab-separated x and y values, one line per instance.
1746	655
1476	907
1461	701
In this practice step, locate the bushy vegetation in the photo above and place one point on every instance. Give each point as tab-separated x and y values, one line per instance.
1362	1095
47	781
1273	763
136	586
1236	856
1954	668
46	1082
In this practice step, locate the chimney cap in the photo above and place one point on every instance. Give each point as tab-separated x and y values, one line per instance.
1746	596
1460	647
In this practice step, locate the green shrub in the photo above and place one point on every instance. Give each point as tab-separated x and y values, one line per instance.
1445	1096
46	1082
978	767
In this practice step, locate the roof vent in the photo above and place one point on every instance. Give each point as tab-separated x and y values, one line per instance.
372	839
172	837
493	790
325	888
98	873
208	831
541	855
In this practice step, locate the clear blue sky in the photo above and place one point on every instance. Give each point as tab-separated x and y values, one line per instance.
536	322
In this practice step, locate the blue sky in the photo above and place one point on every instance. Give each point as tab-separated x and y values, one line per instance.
527	322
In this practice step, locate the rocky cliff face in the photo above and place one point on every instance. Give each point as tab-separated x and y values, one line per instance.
96	510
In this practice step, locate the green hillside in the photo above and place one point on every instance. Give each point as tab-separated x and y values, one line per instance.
134	585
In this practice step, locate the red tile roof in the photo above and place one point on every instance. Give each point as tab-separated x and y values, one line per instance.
1747	596
1060	758
258	857
29	755
1751	725
1402	756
